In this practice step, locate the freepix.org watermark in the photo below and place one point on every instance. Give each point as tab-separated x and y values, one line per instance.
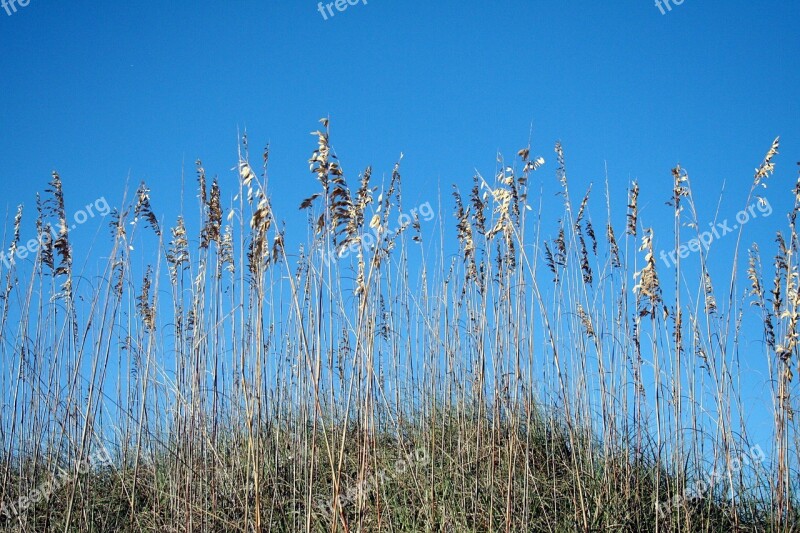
10	6
661	4
706	483
716	232
61	478
98	207
370	483
370	240
326	9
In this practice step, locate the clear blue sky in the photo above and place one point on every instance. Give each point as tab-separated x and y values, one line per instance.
105	90
101	90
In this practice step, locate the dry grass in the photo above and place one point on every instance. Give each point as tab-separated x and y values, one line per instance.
550	384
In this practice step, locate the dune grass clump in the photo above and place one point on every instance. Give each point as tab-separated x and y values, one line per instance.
492	371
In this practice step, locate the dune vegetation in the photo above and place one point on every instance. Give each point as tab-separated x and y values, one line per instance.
484	370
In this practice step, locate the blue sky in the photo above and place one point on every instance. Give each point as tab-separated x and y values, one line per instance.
103	91
109	93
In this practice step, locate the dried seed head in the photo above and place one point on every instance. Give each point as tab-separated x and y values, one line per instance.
767	167
561	171
648	288
710	300
633	209
144	210
586	321
613	247
145	307
213	218
178	253
226	250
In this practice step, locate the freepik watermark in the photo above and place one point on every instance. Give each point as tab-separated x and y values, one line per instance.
341	5
61	478
707	482
98	207
661	4
370	483
717	231
10	6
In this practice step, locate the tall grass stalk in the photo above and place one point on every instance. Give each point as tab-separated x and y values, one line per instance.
527	375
